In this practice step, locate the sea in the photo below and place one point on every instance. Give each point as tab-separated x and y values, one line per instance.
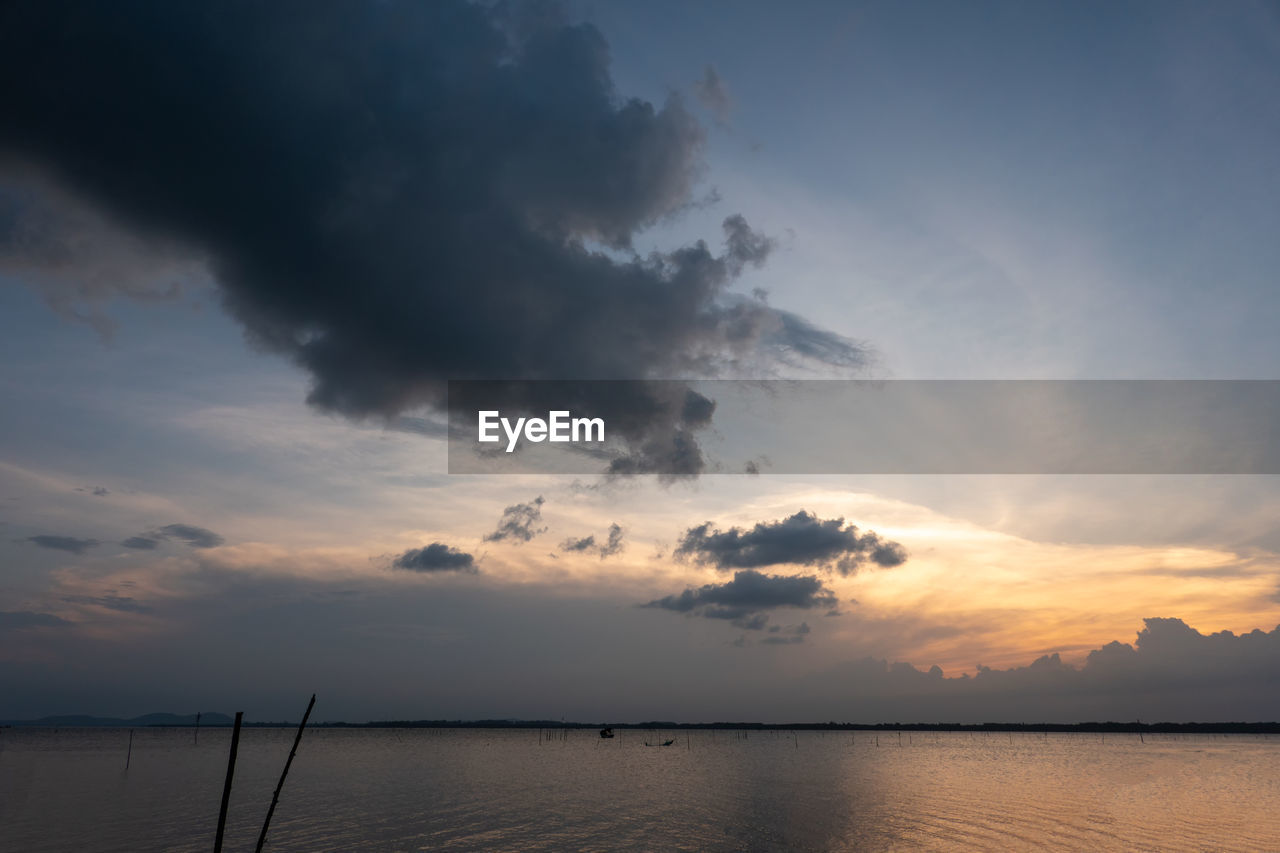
568	790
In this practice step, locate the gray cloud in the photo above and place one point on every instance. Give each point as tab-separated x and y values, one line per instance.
436	557
587	544
517	522
18	619
778	635
613	544
77	257
196	537
96	491
421	426
752	622
803	539
348	634
121	603
63	543
712	94
1172	672
749	593
399	193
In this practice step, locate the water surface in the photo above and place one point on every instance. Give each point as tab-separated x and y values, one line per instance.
516	789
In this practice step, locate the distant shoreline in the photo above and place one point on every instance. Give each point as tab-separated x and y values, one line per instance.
213	720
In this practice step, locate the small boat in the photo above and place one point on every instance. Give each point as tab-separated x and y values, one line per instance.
606	733
664	743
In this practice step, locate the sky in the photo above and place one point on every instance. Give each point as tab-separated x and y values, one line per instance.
243	249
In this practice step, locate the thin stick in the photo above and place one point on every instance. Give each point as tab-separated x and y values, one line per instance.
197	728
129	755
275	798
226	786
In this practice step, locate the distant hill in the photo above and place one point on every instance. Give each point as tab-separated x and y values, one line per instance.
69	721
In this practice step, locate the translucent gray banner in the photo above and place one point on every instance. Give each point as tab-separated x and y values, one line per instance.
681	429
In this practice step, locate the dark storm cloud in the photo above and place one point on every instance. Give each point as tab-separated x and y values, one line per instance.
587	544
17	619
517	522
803	539
63	543
436	557
394	194
749	593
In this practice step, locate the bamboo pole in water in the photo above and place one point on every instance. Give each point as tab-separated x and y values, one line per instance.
197	740
129	755
226	786
275	798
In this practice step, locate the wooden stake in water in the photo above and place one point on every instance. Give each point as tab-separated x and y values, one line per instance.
129	755
197	728
275	798
226	786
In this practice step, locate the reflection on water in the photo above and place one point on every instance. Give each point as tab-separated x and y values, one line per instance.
429	789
